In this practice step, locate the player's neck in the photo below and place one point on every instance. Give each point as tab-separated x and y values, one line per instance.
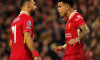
26	11
69	12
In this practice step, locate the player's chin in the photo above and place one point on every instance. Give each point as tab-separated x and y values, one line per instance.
60	15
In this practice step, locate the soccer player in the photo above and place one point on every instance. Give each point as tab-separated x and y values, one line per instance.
21	33
75	31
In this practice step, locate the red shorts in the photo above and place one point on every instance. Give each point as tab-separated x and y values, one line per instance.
72	57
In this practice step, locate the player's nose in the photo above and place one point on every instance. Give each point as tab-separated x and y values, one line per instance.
58	9
35	7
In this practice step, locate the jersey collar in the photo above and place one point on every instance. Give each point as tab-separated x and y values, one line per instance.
72	14
23	12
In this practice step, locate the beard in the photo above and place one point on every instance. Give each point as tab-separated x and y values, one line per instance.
32	13
64	17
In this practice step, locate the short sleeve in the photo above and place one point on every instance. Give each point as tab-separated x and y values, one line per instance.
27	25
79	21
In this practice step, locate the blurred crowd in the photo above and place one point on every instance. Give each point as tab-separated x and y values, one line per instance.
50	27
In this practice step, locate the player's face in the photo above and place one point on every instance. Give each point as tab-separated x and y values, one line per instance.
61	9
32	5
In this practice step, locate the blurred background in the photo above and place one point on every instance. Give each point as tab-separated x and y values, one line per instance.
49	27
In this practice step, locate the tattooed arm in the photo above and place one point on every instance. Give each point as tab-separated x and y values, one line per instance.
85	31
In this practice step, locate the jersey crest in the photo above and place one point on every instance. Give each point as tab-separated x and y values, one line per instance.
69	25
29	23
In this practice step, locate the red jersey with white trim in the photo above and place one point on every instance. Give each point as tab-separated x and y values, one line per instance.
72	31
19	50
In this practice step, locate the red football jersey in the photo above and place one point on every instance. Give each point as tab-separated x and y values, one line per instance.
72	31
19	50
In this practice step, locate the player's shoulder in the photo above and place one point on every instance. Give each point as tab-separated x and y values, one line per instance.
25	17
15	20
78	16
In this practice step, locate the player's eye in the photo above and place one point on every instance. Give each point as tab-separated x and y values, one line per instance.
59	6
34	4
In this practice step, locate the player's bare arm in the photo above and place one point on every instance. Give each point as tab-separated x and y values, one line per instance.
60	49
85	31
29	41
30	44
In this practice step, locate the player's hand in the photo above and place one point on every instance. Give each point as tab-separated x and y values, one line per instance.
37	58
59	49
73	41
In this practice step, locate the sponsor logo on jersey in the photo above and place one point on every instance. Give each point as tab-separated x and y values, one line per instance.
68	35
29	23
78	17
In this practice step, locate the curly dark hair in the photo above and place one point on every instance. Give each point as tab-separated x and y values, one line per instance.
70	2
23	1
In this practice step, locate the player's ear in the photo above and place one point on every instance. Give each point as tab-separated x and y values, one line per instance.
28	5
67	7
